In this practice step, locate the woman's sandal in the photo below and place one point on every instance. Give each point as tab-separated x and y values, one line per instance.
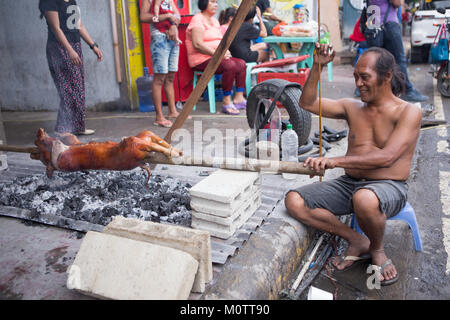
230	109
165	124
241	105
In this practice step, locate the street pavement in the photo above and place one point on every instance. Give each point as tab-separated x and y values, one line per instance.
423	275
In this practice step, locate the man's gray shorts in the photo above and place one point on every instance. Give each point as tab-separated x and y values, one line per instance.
336	195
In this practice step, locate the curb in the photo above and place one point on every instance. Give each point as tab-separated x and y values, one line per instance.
266	263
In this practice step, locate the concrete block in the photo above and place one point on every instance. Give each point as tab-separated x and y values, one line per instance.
112	267
226	231
197	243
222	209
224	185
226	221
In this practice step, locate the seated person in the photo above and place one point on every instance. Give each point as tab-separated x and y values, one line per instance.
225	18
203	36
241	46
266	11
383	132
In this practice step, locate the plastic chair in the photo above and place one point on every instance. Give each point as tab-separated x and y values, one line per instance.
211	92
248	76
408	215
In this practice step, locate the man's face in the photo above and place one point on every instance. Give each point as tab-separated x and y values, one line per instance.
366	78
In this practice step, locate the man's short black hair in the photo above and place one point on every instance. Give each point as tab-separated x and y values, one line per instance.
203	4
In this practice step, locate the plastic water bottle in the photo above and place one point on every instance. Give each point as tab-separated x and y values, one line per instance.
144	88
289	149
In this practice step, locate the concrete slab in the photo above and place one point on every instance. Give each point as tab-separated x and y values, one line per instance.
194	242
113	267
226	231
221	209
235	215
224	185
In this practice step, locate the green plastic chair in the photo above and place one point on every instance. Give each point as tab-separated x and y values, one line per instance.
211	92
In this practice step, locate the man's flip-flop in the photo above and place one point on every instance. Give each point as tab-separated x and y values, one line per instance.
164	124
362	258
381	271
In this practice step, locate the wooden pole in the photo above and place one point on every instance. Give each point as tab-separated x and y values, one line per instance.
212	67
242	164
7	148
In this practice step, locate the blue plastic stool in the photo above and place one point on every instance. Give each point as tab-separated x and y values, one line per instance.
211	92
408	215
248	76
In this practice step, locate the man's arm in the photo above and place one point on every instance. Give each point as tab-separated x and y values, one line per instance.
405	135
330	108
272	16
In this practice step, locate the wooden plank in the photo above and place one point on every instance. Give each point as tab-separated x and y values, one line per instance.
212	66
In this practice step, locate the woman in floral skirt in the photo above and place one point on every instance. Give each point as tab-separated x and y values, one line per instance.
65	61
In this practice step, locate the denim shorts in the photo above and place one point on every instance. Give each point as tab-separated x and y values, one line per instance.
164	54
336	195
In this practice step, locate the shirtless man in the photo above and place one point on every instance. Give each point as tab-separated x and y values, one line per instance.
383	132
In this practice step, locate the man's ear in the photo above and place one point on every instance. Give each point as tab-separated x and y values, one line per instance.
388	76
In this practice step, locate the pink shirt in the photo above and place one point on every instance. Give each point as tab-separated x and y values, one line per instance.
212	35
223	28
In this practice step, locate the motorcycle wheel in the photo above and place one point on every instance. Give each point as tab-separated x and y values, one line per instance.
443	82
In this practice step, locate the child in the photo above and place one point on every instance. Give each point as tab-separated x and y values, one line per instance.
164	7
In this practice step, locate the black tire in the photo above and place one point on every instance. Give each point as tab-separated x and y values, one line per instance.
443	83
417	54
299	118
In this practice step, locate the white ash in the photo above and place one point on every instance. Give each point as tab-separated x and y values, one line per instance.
97	196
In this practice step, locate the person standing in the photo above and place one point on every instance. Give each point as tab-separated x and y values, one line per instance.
65	61
165	52
394	44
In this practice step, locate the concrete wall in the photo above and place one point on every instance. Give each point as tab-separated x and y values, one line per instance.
25	81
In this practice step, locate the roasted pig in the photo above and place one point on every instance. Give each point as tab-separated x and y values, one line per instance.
67	153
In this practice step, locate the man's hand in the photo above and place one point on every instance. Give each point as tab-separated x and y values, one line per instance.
319	164
326	52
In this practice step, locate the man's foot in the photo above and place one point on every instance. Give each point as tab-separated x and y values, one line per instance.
355	249
388	273
414	96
